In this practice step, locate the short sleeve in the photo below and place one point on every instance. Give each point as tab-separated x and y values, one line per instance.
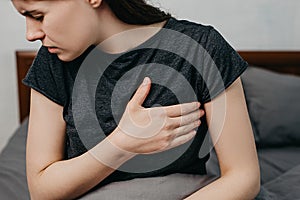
46	76
222	66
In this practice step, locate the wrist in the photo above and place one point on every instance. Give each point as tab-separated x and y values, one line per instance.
109	153
122	141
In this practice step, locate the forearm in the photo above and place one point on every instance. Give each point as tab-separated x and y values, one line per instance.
71	178
230	186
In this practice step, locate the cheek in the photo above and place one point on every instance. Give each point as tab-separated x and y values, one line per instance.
54	28
72	31
70	28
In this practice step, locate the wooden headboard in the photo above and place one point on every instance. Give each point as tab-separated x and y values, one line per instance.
279	61
24	61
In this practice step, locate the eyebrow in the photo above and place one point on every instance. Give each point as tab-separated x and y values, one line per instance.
28	13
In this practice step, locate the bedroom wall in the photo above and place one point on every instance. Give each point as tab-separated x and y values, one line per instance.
12	38
255	24
247	25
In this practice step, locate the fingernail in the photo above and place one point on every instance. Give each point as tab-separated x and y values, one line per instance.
145	81
202	112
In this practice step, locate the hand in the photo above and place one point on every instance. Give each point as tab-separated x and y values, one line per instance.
150	130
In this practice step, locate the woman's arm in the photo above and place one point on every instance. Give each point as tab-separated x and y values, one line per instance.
231	132
51	177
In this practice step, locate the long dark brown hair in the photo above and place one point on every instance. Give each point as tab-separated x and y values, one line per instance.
137	12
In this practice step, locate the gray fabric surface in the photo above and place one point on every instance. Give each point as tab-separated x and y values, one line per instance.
286	186
278	172
171	187
273	104
13	182
276	161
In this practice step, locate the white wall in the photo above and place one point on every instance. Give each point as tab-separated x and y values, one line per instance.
247	25
12	38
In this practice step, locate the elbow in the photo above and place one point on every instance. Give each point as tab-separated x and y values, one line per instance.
252	180
31	187
38	192
38	189
42	188
254	187
34	196
248	183
34	192
256	181
35	189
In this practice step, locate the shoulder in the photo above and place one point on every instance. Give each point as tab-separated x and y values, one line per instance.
46	76
190	25
205	35
193	29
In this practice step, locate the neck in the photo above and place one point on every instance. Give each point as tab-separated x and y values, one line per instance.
115	36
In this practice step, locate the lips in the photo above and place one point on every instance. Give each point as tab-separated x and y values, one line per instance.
52	49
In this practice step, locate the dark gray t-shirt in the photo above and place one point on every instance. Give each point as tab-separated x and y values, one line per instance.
184	61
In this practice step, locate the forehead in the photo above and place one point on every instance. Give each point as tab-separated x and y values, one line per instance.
23	4
41	3
27	2
38	5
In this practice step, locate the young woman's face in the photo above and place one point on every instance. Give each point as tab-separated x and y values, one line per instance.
66	27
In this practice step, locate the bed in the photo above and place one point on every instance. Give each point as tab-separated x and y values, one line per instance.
271	86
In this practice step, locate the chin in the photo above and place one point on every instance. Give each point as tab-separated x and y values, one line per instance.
66	57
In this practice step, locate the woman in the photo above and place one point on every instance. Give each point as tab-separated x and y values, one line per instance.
59	163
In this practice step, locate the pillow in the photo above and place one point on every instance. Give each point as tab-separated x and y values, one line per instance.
174	186
273	105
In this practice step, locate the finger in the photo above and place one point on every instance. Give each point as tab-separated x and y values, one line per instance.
142	92
181	109
187	128
188	118
182	139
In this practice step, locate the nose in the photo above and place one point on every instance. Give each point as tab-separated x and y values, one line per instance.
33	30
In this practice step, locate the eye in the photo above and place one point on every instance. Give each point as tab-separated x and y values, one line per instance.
38	18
